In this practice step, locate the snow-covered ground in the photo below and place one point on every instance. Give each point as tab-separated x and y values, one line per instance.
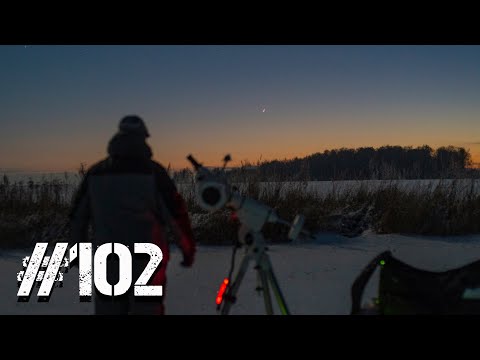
315	277
323	188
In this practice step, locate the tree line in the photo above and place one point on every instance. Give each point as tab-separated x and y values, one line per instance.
366	163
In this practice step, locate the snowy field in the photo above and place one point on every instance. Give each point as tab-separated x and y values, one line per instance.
315	277
39	176
322	188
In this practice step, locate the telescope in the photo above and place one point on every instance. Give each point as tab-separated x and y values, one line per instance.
213	192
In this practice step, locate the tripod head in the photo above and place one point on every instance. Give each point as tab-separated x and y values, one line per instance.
213	192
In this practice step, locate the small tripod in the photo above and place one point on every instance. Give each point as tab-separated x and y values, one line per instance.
255	251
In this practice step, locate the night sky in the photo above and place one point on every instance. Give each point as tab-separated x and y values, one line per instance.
59	105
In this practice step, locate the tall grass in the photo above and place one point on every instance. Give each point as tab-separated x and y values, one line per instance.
33	211
30	210
443	208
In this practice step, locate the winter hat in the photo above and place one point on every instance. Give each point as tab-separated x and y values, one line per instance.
132	124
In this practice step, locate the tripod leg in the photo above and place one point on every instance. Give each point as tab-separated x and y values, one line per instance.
232	291
278	293
266	291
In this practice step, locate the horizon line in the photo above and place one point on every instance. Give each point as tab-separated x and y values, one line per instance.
14	170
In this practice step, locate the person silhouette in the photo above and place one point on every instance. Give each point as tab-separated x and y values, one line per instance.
130	198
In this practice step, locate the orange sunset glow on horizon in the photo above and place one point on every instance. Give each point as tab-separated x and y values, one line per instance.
61	104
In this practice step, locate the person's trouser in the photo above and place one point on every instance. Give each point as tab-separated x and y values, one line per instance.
128	304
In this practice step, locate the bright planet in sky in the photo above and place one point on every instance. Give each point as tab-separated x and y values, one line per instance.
59	109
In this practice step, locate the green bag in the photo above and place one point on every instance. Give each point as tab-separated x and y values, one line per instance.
406	290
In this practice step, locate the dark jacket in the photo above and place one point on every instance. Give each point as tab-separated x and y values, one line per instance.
129	198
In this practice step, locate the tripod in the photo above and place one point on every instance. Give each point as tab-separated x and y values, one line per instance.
256	251
213	193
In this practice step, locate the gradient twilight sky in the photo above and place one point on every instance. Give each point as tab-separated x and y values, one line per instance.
59	105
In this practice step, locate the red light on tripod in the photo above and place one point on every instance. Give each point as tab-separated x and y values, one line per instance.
221	291
234	217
